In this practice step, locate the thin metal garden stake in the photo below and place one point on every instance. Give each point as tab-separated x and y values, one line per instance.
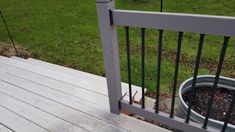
17	54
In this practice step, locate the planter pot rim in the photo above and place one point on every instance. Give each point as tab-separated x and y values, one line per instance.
194	112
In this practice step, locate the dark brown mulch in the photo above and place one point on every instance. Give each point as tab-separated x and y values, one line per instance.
220	105
8	51
232	75
163	95
206	63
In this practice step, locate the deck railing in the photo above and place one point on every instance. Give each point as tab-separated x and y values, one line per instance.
110	18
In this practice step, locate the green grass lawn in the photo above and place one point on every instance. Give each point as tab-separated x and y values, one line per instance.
66	33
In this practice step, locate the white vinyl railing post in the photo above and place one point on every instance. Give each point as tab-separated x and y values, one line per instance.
108	36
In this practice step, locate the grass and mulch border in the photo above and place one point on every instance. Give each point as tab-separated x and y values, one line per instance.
7	50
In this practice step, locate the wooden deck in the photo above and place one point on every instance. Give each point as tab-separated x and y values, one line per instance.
37	96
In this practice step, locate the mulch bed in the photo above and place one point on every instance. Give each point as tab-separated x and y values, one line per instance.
8	51
220	105
163	95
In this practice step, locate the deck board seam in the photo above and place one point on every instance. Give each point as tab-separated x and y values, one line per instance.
58	90
55	72
79	87
43	110
25	118
51	102
50	88
64	105
7	127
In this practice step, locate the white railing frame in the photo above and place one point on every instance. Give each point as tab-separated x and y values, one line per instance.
194	23
109	18
108	36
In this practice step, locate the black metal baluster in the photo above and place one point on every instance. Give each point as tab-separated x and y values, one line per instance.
176	73
143	65
193	90
161	6
158	70
228	115
212	91
128	63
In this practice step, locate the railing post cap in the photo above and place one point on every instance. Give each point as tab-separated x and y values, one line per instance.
103	1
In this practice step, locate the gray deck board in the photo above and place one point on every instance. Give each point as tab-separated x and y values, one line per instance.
18	123
73	116
43	102
43	119
59	86
75	77
101	81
